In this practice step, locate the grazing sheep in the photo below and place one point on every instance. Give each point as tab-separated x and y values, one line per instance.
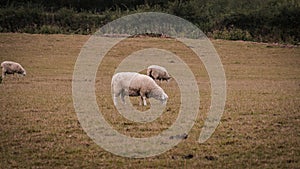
135	84
158	73
9	67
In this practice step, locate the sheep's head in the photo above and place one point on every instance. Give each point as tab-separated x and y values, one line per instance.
159	94
164	98
168	78
22	72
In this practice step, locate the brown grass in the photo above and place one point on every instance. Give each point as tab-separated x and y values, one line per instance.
259	128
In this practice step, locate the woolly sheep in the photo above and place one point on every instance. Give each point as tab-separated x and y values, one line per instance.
158	73
9	67
135	84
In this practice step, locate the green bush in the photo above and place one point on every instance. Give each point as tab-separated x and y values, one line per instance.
232	34
49	29
256	20
36	20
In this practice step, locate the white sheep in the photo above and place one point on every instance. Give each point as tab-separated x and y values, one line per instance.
135	84
158	73
9	67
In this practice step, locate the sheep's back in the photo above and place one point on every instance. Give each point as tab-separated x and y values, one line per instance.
160	71
159	68
11	65
132	80
143	82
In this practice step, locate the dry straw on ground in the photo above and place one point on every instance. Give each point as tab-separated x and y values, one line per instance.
259	128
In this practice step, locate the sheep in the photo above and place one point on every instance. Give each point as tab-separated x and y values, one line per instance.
9	67
136	84
158	73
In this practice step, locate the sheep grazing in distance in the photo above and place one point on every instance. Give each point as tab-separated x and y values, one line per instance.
158	73
135	84
9	67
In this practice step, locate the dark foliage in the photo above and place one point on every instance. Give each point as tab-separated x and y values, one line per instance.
269	20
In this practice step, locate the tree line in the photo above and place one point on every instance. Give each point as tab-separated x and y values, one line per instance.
255	20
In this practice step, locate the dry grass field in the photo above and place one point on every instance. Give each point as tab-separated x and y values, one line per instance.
259	128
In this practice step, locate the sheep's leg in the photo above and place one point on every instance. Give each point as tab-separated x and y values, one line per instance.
143	99
167	79
123	97
18	76
115	100
116	95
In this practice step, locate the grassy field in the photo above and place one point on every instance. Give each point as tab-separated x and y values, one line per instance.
259	128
